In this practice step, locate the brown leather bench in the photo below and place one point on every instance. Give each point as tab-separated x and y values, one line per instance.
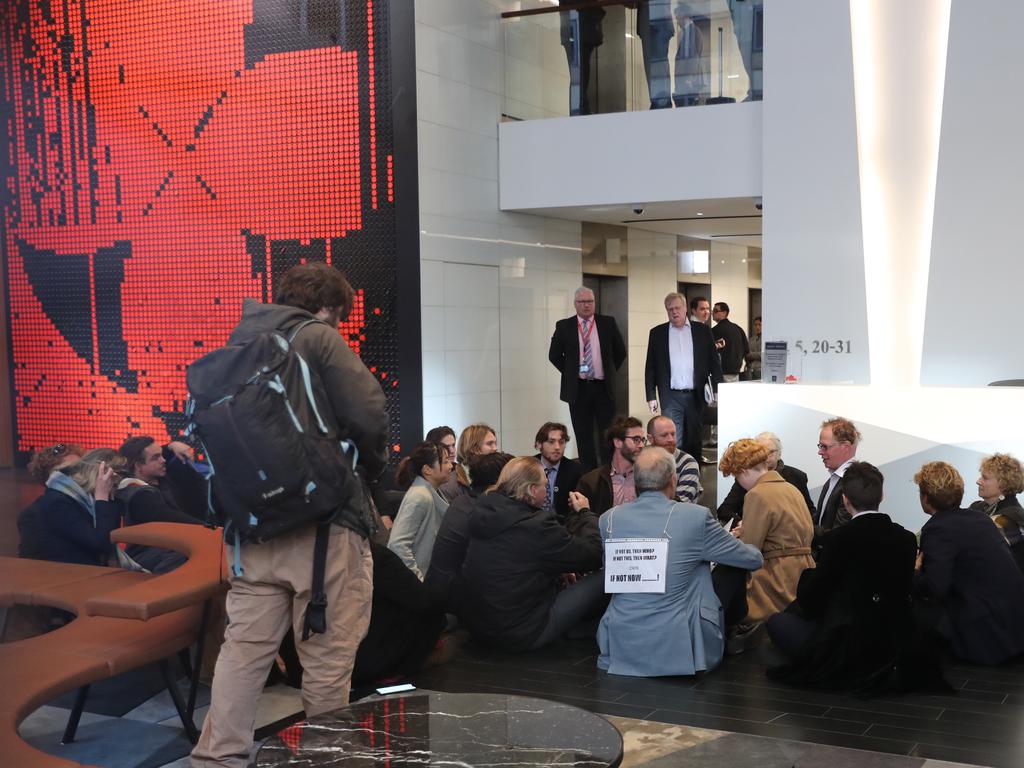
124	620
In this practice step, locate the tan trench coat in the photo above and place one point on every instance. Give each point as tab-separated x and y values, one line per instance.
776	521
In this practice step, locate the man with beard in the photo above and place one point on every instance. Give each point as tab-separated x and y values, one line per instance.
611	484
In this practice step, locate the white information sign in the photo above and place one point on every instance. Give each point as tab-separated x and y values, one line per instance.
773	362
635	565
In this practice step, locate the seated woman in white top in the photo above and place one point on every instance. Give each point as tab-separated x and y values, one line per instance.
422	472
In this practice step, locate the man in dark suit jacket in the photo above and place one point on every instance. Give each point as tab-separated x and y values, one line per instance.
732	506
837	446
587	349
681	357
562	473
851	627
970	591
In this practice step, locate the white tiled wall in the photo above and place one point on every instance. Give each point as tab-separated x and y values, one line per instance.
493	283
652	275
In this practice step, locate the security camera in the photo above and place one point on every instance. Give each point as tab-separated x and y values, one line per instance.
638	211
759	203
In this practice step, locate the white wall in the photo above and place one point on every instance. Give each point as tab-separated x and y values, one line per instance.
729	277
493	283
813	268
972	331
632	157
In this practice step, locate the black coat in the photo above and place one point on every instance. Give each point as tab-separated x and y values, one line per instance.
564	353
405	621
510	577
443	579
969	570
658	369
567	478
736	345
833	514
732	506
859	598
596	485
66	533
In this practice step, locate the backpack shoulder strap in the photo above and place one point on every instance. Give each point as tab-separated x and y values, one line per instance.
299	327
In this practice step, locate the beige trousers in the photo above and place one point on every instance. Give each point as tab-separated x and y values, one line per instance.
272	593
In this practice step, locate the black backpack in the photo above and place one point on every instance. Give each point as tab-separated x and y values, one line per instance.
248	404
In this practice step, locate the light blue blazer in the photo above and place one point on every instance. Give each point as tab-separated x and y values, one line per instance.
679	632
416	523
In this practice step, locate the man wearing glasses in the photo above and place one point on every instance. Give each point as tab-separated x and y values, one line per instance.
587	349
611	484
837	446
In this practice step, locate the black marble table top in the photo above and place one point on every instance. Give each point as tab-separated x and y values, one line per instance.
426	728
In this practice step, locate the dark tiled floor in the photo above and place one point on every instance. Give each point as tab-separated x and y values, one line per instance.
983	723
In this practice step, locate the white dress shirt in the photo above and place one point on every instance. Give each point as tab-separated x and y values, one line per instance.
680	356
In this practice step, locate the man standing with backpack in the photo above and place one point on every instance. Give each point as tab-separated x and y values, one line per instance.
272	583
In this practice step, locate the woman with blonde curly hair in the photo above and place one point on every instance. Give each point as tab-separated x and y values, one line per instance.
1001	479
969	589
776	521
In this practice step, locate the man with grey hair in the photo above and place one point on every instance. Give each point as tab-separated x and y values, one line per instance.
681	362
661	432
732	506
679	630
587	349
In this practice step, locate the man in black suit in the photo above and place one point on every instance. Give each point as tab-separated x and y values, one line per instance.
837	446
587	349
971	593
680	359
732	506
561	473
851	626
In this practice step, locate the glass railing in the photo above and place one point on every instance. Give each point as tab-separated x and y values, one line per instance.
601	56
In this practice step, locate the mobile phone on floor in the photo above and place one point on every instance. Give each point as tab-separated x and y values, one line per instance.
396	689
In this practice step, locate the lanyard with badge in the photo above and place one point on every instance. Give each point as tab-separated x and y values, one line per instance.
636	565
584	368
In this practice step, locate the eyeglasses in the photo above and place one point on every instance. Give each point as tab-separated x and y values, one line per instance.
637	439
823	447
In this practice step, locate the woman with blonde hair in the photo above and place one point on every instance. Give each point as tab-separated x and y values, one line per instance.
775	520
77	514
1001	479
518	557
476	439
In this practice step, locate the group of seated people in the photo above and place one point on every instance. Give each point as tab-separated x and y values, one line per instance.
514	551
87	494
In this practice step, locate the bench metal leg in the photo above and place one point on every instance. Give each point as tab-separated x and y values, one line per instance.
172	688
76	715
186	662
197	665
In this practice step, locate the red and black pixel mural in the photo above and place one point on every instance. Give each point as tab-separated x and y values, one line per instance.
164	160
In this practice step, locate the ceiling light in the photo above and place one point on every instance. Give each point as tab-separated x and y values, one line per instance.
699	213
